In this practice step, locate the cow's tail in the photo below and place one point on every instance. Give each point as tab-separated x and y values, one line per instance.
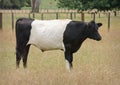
23	28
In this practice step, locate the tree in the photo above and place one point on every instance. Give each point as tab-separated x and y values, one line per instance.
14	4
107	4
70	4
5	4
115	4
89	4
102	5
35	5
28	3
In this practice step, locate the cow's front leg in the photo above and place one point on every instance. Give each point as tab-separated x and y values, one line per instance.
68	57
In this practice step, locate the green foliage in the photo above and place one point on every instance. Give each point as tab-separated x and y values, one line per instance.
5	3
115	3
89	4
102	5
70	4
14	4
28	3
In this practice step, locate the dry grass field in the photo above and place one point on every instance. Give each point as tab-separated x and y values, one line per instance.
96	63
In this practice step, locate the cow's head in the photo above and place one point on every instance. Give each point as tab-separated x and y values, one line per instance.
92	30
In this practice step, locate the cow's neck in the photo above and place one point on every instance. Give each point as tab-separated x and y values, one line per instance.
83	38
84	35
79	43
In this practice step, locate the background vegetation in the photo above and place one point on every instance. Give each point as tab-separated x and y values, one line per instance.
89	4
69	4
14	4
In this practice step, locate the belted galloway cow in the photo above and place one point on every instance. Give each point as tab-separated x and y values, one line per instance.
65	35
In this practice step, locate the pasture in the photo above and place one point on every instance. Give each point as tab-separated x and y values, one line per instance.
96	63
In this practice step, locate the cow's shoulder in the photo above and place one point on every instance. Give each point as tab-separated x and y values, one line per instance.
74	29
74	34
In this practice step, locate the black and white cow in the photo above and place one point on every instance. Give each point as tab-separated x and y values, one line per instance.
66	35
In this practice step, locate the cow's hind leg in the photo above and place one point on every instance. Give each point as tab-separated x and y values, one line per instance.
68	56
25	55
22	53
18	58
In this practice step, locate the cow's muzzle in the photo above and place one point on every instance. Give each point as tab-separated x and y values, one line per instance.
99	38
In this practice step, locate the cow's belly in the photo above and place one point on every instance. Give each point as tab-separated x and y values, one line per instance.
47	42
48	36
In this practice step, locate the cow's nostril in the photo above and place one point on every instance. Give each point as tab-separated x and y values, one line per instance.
98	39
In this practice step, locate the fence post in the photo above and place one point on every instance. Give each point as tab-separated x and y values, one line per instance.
29	15
108	21
33	15
12	21
42	18
71	16
0	20
56	15
74	14
115	13
82	16
99	14
94	16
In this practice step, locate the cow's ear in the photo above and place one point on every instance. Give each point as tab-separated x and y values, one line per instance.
99	24
91	24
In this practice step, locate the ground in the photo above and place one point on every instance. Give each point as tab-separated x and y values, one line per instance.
96	63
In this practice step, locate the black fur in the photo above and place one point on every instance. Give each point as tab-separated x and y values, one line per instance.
76	32
23	28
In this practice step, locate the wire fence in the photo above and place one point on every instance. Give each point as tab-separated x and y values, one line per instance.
9	17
